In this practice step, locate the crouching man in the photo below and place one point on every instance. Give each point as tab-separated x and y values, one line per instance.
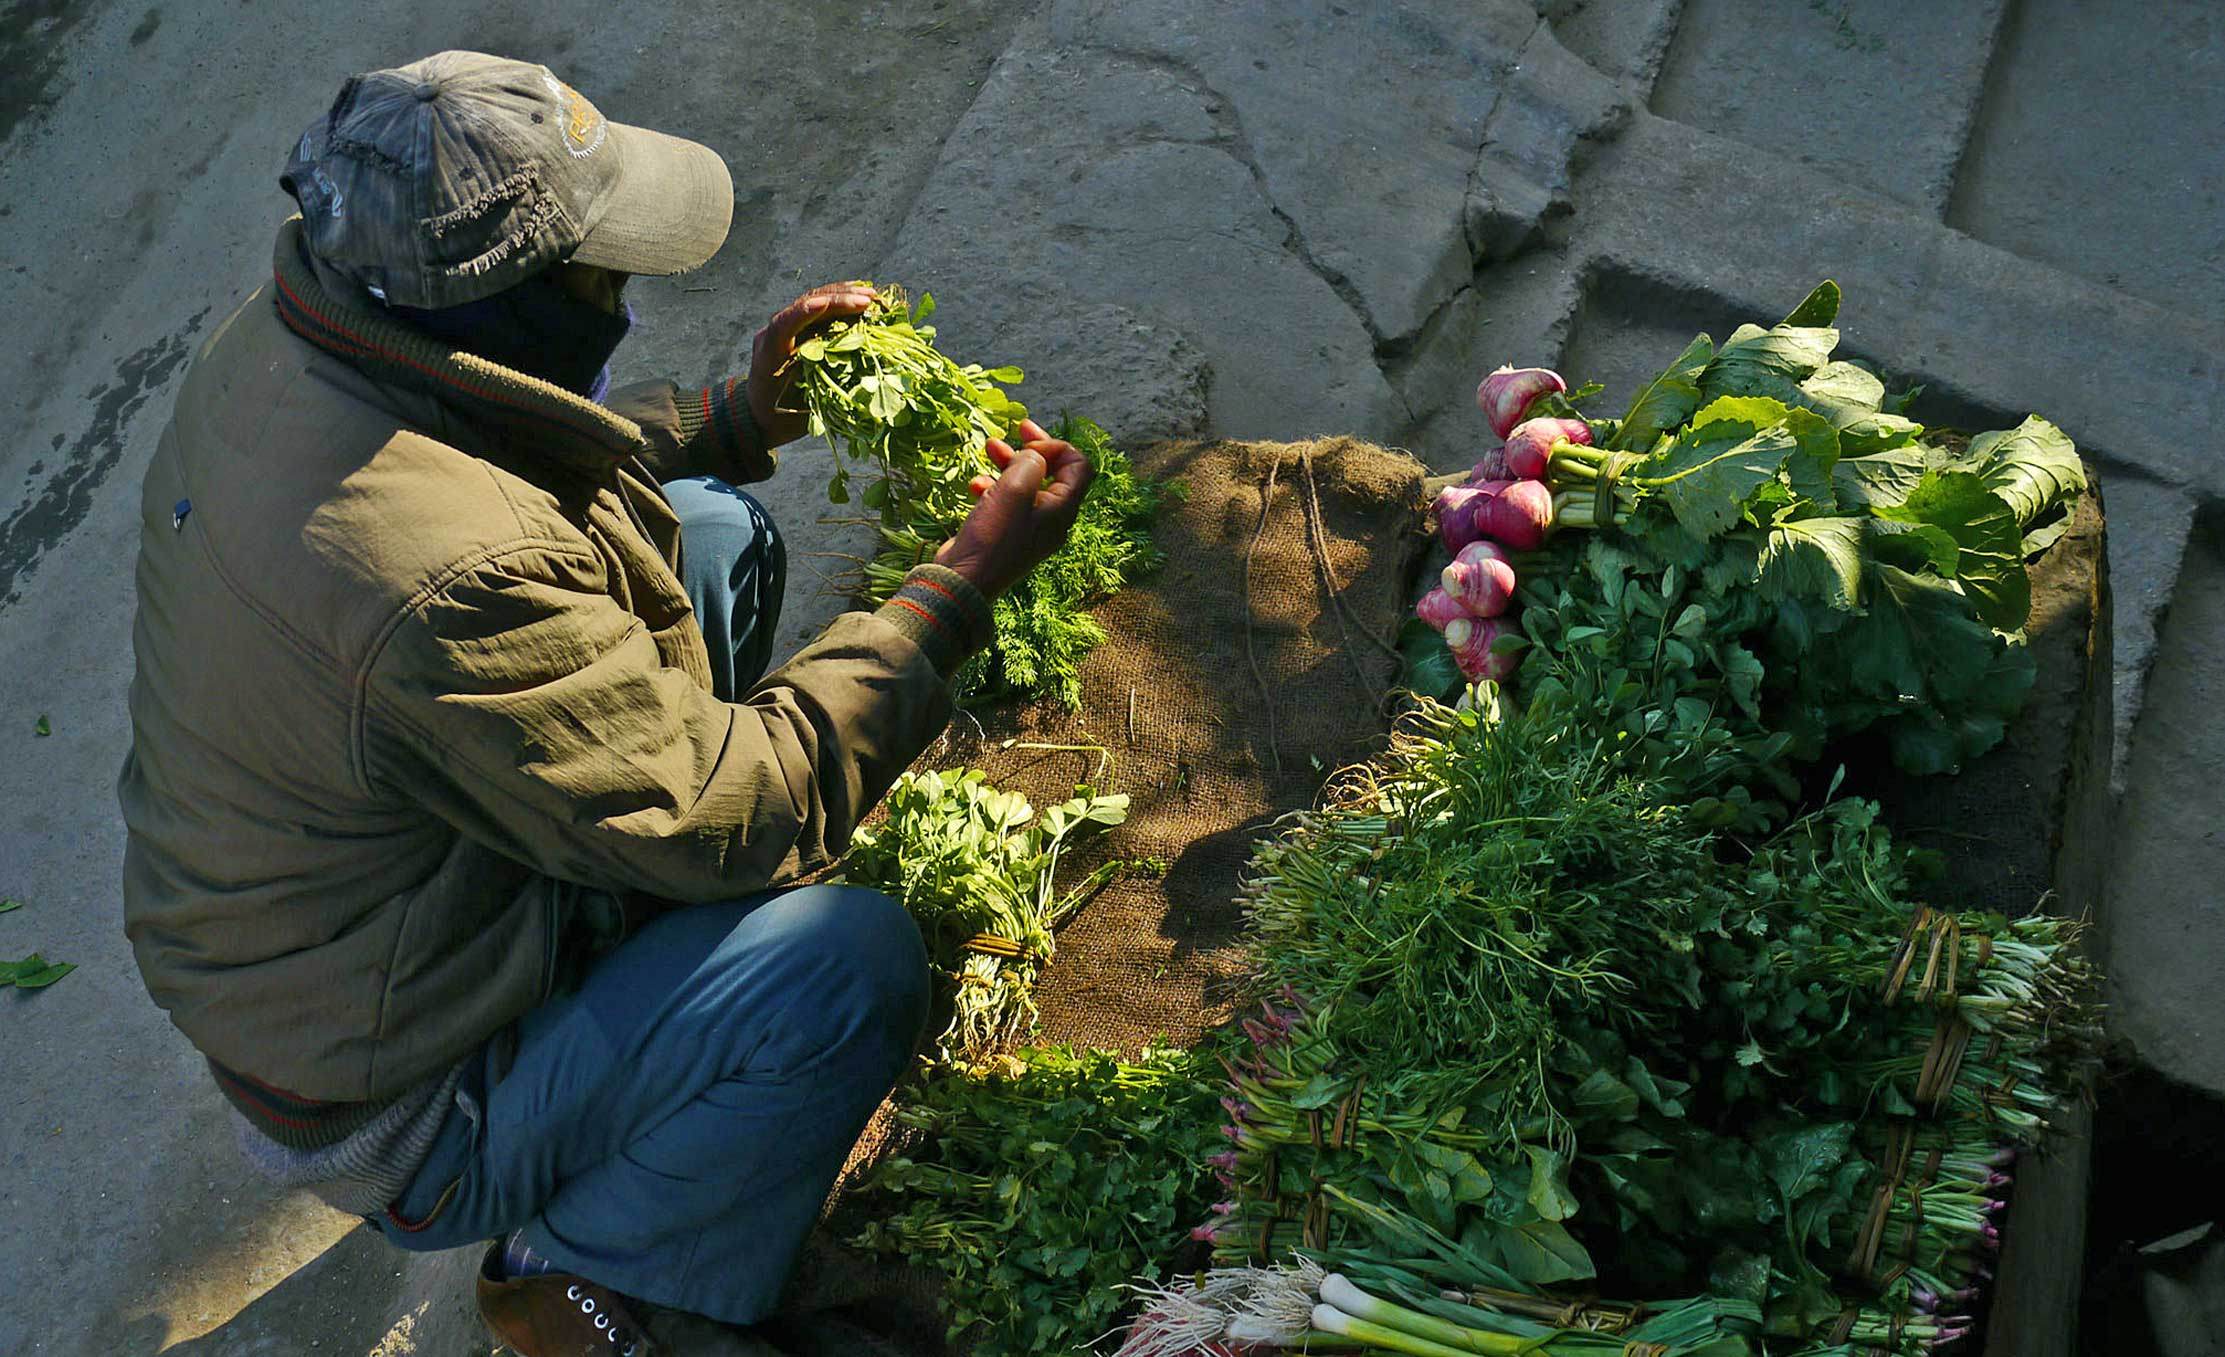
457	791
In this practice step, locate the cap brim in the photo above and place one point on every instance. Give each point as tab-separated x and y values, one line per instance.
668	211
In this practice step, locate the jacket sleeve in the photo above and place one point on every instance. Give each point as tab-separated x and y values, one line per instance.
705	431
524	706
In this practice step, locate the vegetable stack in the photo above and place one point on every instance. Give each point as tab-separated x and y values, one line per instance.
896	408
1542	1032
1870	573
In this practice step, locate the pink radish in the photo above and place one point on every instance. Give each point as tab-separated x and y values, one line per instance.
1457	506
1472	652
1530	446
1482	586
1505	396
1483	549
1438	609
1517	517
1492	466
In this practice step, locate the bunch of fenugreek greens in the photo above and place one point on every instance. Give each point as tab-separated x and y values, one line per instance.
979	870
1539	1029
1038	1184
916	422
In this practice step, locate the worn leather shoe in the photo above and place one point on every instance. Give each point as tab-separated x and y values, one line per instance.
556	1315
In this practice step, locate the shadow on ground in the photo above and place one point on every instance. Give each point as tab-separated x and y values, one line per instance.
360	1298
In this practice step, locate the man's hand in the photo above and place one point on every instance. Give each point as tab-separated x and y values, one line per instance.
1023	515
769	373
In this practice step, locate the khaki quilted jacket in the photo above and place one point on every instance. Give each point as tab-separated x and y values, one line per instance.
416	678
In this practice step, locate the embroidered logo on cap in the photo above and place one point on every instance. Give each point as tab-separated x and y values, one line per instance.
583	126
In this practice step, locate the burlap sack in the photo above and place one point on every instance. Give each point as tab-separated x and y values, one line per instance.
1231	684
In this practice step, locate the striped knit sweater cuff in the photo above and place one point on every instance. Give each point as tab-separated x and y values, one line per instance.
717	421
944	616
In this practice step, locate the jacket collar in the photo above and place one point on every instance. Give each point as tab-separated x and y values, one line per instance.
535	413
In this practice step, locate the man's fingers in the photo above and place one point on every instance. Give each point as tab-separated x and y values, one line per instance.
1069	473
1023	475
980	485
1028	431
999	452
835	301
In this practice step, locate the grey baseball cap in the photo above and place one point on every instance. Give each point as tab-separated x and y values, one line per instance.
455	177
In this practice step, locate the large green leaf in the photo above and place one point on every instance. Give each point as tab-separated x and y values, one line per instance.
1918	640
1869	481
1913	546
1426	665
1818	558
1772	363
1549	1195
1842	393
1802	1161
1543	1252
1875	433
2033	467
1819	307
1667	401
1990	546
1808	470
1706	474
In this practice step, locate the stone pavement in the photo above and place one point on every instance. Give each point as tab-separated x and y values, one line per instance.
1250	219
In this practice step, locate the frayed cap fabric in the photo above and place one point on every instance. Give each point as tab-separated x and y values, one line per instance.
455	177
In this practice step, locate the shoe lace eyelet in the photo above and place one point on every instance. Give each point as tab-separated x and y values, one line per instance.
572	1292
602	1321
587	1305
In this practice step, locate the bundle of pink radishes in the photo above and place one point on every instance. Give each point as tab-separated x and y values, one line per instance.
1503	507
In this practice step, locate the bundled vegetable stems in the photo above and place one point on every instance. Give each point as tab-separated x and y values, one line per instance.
978	869
1299	1305
916	421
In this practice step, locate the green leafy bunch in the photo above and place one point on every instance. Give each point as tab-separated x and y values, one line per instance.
1878	577
877	389
1040	1184
917	423
978	868
1043	628
1465	898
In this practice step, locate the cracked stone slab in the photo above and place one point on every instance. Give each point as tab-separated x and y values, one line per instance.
1518	313
1625	40
1554	102
1361	121
2166	919
1139	380
2098	148
1992	336
2148	528
1123	191
1905	82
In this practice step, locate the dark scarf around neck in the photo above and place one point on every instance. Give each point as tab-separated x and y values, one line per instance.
535	327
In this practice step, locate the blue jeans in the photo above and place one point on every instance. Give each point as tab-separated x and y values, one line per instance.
671	1128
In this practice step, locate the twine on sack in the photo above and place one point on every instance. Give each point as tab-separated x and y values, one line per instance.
1251	653
1316	534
